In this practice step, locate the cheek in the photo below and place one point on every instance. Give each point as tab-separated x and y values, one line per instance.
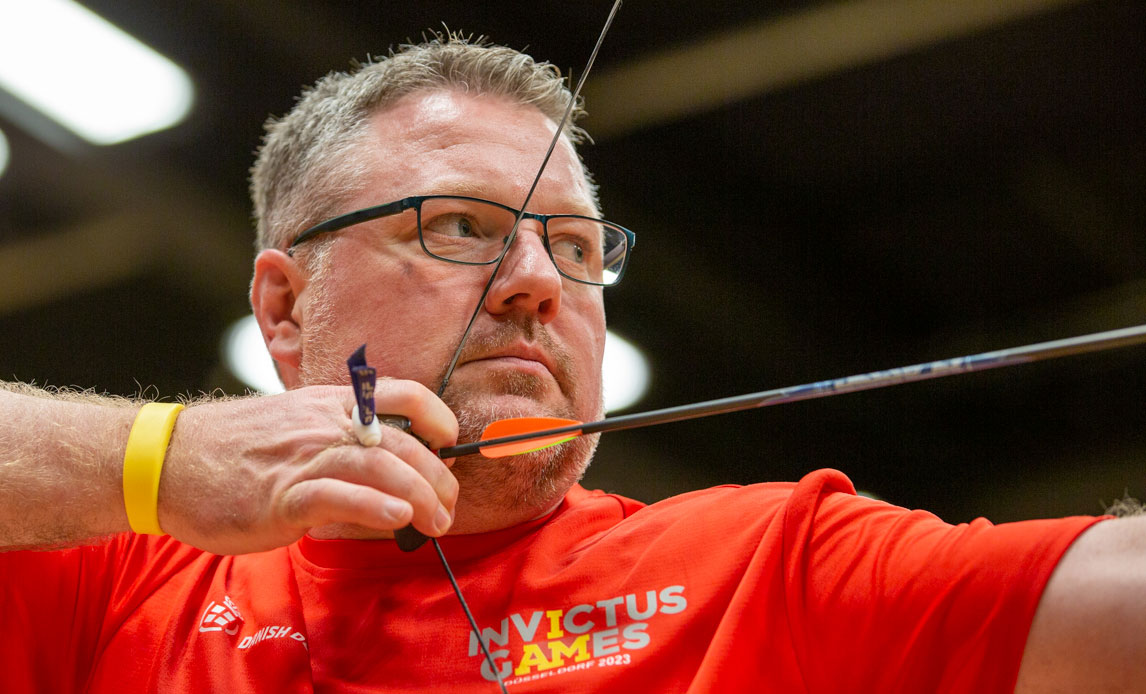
409	314
418	310
586	335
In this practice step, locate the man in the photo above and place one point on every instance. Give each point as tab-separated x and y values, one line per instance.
276	574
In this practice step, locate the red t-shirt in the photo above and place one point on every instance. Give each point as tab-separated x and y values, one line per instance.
766	588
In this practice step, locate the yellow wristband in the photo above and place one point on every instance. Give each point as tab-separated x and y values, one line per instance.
143	462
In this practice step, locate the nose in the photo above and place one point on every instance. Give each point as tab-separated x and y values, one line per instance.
528	280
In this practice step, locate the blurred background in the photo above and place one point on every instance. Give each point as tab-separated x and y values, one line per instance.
819	189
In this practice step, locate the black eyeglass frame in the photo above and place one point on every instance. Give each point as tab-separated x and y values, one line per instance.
415	202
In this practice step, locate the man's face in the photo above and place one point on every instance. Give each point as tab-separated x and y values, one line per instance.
536	346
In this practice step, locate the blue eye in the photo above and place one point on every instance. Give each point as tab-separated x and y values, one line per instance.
569	249
452	225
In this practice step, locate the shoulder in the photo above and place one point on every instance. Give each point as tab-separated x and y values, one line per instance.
725	500
821	512
727	515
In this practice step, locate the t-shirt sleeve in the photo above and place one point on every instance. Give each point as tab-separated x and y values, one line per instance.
53	605
59	608
884	599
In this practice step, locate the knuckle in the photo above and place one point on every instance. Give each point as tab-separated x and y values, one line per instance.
298	503
431	468
408	449
394	440
416	490
423	407
414	452
394	475
357	496
342	462
405	396
451	486
413	489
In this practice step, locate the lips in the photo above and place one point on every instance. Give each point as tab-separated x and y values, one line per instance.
521	351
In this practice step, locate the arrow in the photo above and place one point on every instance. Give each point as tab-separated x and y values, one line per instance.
522	435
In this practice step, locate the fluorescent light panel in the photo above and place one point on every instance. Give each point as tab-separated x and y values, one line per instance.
87	74
3	153
626	371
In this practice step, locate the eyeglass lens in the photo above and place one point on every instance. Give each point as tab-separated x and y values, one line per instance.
472	231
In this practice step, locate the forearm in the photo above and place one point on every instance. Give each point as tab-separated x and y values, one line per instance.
61	461
239	474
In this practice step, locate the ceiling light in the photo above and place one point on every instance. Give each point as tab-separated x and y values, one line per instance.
87	74
626	371
246	356
3	153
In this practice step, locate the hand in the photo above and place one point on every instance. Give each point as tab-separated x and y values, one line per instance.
252	474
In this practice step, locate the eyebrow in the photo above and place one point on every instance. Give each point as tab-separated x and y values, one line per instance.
474	190
481	190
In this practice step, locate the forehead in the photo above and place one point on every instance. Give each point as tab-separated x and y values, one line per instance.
447	141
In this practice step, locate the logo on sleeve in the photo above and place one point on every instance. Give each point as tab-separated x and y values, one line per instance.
224	617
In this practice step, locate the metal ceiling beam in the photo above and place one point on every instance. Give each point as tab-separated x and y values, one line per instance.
161	219
732	66
52	266
40	269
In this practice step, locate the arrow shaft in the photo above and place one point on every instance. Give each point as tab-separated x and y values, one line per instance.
876	379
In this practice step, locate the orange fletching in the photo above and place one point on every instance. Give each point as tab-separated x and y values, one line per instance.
525	425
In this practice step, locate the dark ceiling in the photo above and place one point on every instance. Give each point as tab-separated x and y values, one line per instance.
829	189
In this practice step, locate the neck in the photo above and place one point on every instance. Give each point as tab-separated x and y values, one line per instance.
478	523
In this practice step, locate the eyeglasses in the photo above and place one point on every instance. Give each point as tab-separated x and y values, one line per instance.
472	231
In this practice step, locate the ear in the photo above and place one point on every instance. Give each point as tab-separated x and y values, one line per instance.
275	292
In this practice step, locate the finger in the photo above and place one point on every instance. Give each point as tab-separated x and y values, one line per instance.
315	502
432	468
381	469
429	417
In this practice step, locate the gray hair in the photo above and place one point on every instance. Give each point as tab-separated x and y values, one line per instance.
305	166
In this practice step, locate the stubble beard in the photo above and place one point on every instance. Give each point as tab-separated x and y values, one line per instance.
528	484
512	489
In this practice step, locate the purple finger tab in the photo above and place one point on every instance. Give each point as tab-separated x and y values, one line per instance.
362	378
358	358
